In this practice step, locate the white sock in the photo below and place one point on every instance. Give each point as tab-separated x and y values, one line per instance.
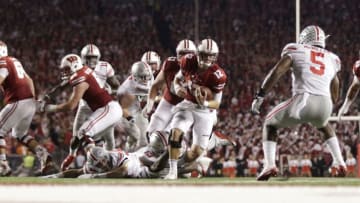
173	166
269	148
335	151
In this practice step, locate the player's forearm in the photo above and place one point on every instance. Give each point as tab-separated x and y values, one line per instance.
276	73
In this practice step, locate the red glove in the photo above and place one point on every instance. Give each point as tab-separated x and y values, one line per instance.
66	163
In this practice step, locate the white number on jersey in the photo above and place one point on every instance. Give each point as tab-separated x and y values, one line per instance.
316	58
19	69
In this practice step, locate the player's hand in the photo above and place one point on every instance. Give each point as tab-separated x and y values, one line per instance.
200	97
148	109
180	91
66	163
256	104
40	106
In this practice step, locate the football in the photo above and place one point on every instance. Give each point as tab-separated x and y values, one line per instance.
205	90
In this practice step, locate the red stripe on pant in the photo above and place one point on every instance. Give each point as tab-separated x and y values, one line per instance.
92	123
8	114
280	108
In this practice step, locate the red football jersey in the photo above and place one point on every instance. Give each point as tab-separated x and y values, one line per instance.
95	96
16	85
213	77
170	67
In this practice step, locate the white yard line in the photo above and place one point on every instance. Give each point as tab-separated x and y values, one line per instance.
176	194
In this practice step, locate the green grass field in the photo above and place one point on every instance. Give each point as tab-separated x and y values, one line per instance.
185	182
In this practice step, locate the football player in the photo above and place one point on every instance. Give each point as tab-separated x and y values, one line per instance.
195	110
153	60
315	86
105	112
353	89
19	110
132	94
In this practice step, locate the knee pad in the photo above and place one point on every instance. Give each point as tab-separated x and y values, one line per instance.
2	142
175	138
25	139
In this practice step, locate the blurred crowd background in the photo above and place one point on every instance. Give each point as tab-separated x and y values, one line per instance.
250	35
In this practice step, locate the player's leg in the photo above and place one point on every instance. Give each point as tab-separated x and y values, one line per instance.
281	116
142	123
6	123
181	122
161	117
102	119
318	112
24	115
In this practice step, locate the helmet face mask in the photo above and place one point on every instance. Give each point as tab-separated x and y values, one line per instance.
90	55
206	60
69	65
208	52
185	47
91	61
141	72
152	59
66	73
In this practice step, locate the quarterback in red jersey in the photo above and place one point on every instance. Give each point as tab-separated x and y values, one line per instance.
197	72
19	109
105	112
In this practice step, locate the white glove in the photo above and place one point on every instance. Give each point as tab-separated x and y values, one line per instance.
40	106
344	108
256	104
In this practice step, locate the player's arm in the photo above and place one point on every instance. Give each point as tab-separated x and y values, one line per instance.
275	74
120	172
31	84
113	82
153	92
178	88
350	96
335	89
271	79
78	92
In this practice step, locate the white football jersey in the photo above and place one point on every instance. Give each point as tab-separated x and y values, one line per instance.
313	68
103	71
130	86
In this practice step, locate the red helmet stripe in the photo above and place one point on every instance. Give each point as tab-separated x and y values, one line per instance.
186	44
317	32
207	44
91	49
148	56
210	44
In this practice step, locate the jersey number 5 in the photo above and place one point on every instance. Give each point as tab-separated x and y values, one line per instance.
316	58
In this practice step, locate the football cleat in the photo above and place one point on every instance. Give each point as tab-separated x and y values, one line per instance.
171	176
5	169
224	139
266	173
66	163
341	171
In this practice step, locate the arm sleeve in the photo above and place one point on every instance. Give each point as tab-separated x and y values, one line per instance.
110	70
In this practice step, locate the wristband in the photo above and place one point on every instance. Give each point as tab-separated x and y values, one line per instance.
51	108
206	104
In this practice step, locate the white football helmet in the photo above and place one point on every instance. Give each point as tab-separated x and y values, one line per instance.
3	49
98	160
152	59
312	35
208	52
141	72
184	47
158	141
69	65
90	55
